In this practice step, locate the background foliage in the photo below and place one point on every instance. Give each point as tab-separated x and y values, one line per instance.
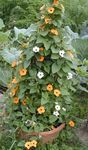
23	12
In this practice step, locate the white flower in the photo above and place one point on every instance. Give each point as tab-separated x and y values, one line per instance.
57	107
69	76
35	49
61	53
64	109
56	113
40	75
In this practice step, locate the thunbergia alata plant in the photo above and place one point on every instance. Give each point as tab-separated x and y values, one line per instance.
43	78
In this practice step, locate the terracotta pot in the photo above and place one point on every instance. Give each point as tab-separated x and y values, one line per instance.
46	137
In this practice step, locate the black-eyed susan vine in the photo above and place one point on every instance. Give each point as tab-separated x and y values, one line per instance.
43	76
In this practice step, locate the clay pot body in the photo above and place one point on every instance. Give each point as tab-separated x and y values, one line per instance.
46	137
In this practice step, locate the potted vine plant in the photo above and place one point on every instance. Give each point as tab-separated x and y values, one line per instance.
40	91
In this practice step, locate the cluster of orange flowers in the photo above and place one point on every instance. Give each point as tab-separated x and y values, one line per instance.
16	101
56	91
22	72
31	144
48	20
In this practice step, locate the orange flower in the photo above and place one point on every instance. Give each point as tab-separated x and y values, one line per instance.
14	63
71	123
23	72
24	102
57	92
70	54
34	143
49	87
41	49
16	100
14	81
54	31
41	109
47	20
55	2
51	10
28	145
41	58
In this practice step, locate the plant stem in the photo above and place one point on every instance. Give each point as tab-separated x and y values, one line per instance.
12	145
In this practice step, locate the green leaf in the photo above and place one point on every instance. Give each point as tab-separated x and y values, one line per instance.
47	68
55	68
26	64
42	127
1	24
11	54
32	110
54	50
64	91
66	69
21	144
19	114
33	90
33	72
3	37
57	39
68	100
45	41
29	54
52	118
47	44
18	149
45	98
55	56
43	33
5	75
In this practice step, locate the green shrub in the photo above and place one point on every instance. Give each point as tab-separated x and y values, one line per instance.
19	12
76	13
23	12
40	90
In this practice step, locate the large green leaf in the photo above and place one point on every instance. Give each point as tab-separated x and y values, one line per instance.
11	54
52	119
45	41
5	75
55	68
55	50
45	98
4	37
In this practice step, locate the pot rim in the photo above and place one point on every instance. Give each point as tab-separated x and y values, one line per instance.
57	129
